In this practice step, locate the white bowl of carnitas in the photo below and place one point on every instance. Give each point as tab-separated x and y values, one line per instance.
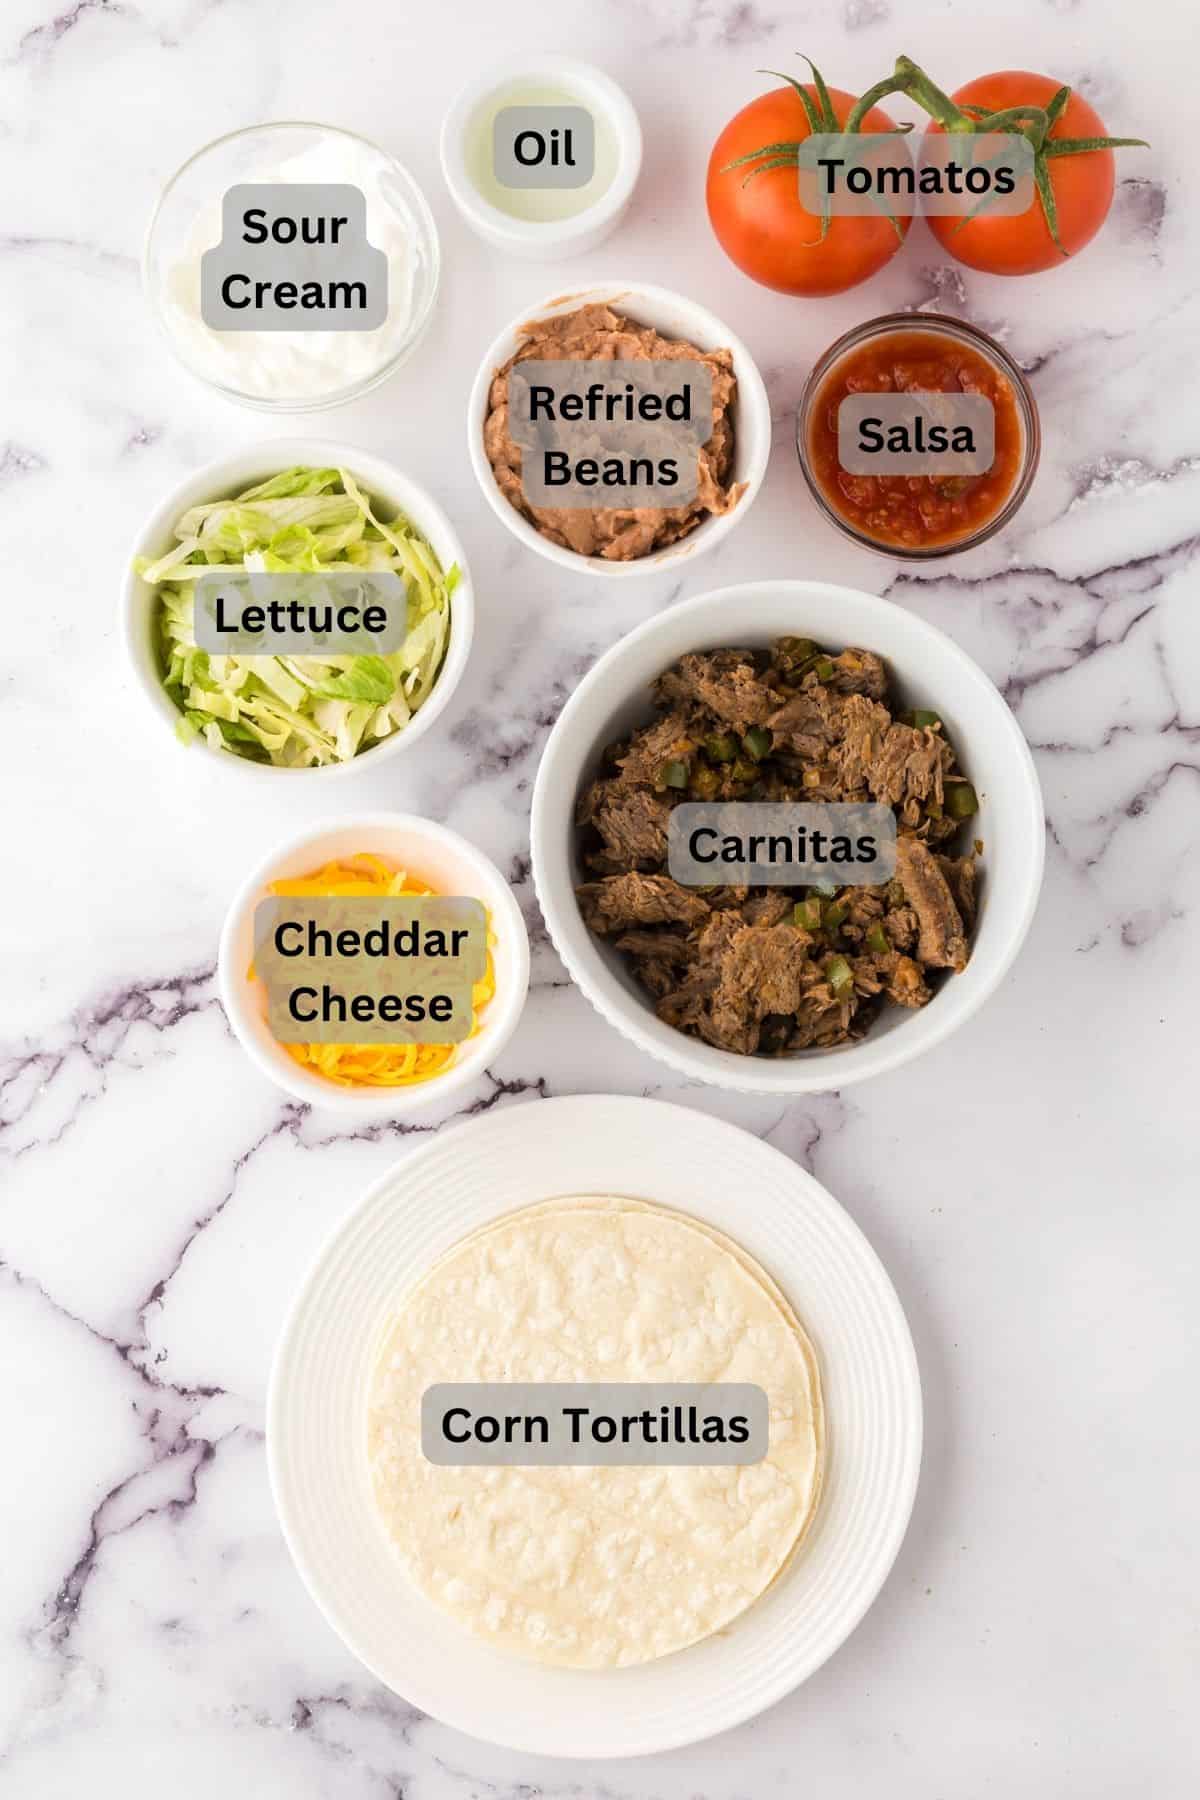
927	675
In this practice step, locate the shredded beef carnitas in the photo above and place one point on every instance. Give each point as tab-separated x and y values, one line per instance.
767	971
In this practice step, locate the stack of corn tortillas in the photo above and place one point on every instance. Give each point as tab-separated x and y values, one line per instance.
596	1567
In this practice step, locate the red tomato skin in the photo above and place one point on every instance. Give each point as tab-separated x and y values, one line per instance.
1083	186
762	226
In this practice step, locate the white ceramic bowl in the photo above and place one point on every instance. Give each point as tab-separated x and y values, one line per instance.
543	241
432	854
929	671
673	316
227	476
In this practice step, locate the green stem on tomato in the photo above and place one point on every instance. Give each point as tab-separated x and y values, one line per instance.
1045	193
910	79
1031	121
1056	105
831	123
786	146
818	119
1077	146
772	162
862	106
917	85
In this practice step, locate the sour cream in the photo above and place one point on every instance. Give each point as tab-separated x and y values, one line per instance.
302	369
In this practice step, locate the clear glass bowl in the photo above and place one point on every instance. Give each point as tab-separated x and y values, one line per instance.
290	371
934	325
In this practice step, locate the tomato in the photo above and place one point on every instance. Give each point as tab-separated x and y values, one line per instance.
760	223
1082	185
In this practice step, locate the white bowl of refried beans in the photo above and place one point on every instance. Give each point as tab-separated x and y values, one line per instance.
625	320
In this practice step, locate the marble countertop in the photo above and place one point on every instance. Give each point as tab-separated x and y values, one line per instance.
1030	1185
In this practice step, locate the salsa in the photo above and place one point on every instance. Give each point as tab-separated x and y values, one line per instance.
915	512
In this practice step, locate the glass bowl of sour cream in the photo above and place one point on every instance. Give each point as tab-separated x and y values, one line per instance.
271	256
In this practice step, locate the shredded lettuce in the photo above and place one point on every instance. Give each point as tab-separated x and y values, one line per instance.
298	711
367	678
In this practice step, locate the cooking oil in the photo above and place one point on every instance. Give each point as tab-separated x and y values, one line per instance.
538	205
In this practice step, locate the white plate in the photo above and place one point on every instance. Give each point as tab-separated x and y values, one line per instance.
640	1149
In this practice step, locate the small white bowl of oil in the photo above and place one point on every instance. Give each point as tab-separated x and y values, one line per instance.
517	178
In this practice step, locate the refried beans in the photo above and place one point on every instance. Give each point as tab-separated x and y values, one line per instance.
619	534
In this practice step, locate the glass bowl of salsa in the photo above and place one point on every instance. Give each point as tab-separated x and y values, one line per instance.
918	516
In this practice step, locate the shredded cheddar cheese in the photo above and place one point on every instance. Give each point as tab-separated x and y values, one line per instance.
376	1065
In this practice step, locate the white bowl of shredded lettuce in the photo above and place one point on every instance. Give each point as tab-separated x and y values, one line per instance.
298	504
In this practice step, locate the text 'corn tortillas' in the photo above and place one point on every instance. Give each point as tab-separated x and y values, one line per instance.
596	1567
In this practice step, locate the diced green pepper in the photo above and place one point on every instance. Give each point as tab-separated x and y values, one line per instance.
675	774
807	914
720	749
744	770
706	783
961	800
926	721
791	651
833	916
839	974
757	742
823	669
877	940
